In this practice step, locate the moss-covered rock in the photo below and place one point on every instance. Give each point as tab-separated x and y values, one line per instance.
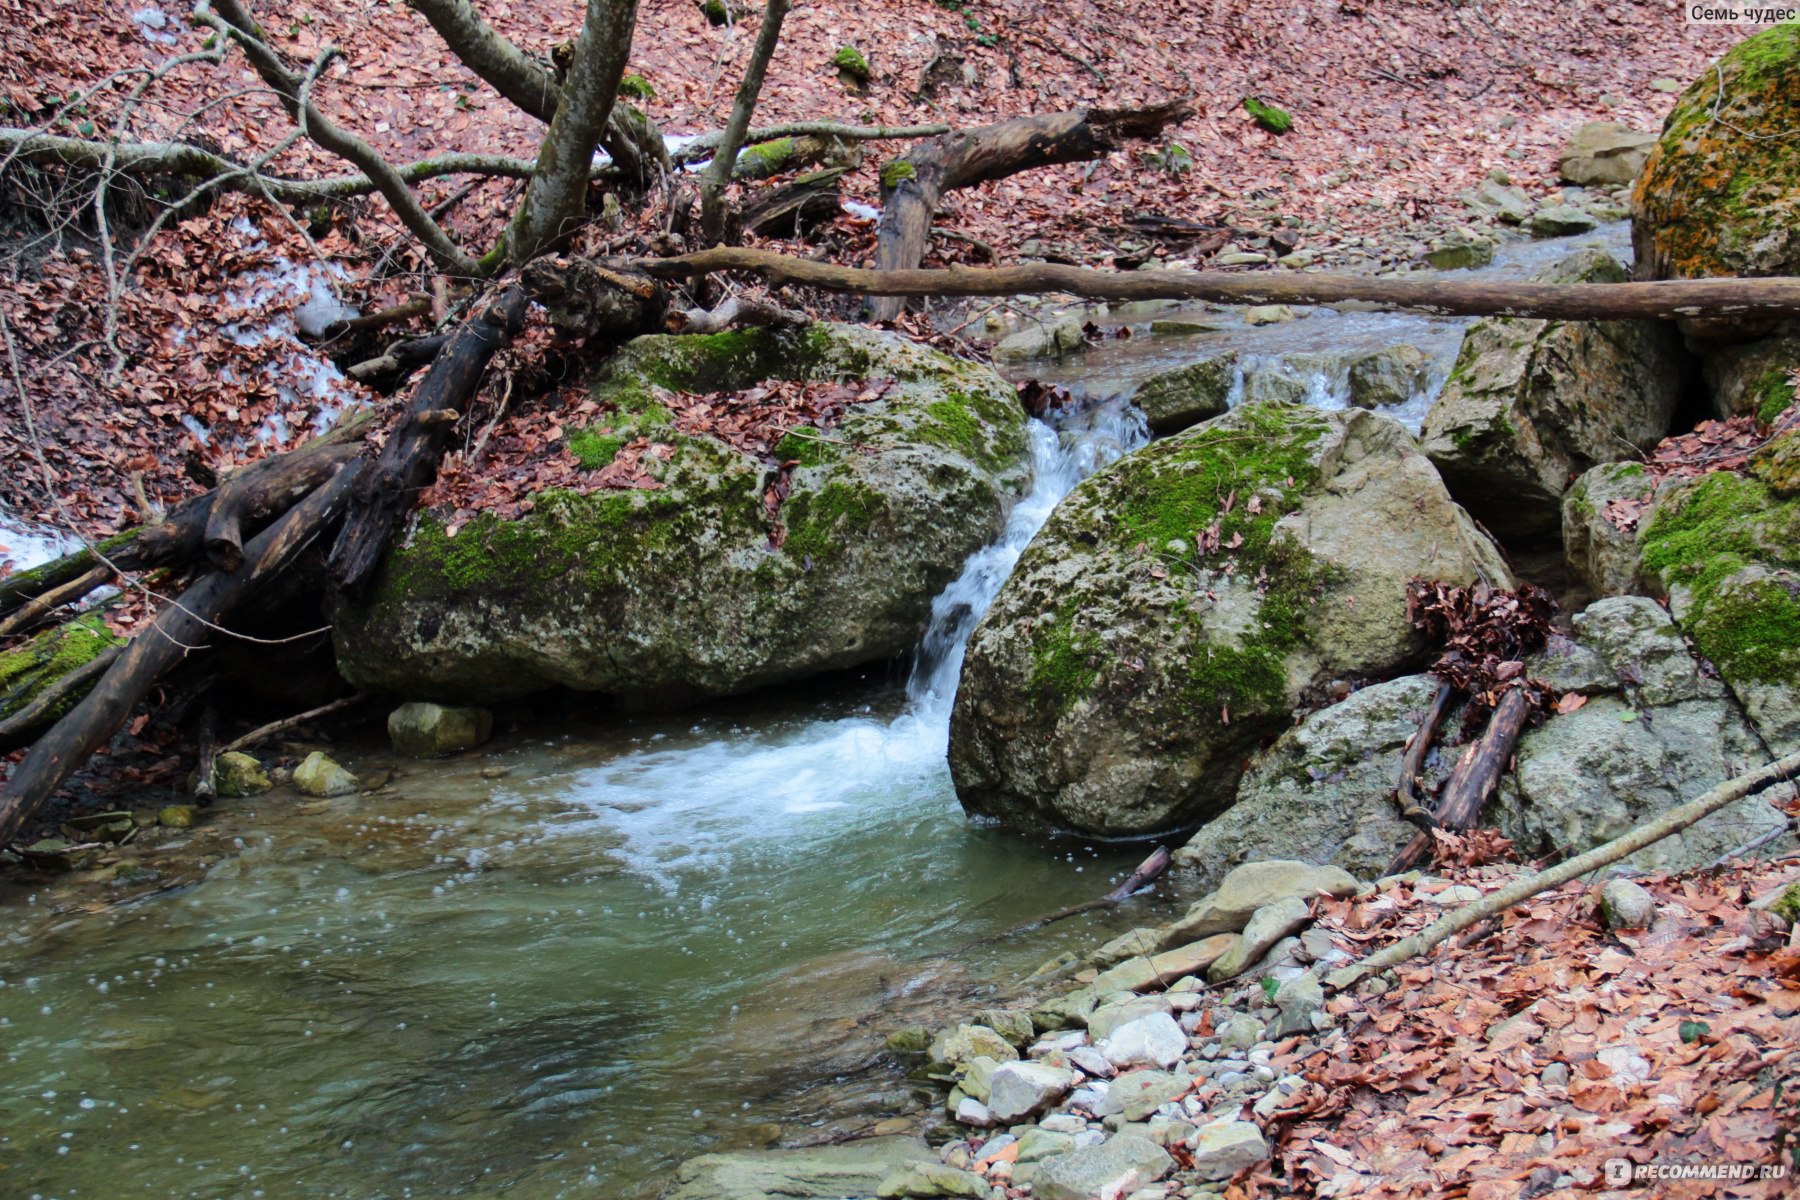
1180	603
1755	377
1601	556
1273	119
1175	399
680	590
39	661
1530	405
851	64
1720	194
1725	551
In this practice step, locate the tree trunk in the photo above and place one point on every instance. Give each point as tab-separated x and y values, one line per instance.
409	458
718	172
912	185
1665	300
555	200
187	623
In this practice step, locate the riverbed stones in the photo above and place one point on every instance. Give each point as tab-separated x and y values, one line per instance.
1322	793
1020	1090
320	775
1267	926
1038	1143
1051	339
1151	1040
1268	314
817	1173
1223	1148
1601	554
925	1179
1140	1093
1660	731
1245	889
1174	400
688	586
423	730
1123	1164
1561	220
1529	405
1298	1000
1116	686
960	1043
1720	194
1604	154
238	774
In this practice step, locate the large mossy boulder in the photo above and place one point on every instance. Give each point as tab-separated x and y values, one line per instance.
1724	550
39	661
1720	194
691	587
1179	604
1530	405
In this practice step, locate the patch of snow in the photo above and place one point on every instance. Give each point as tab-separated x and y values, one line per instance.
25	544
156	25
857	208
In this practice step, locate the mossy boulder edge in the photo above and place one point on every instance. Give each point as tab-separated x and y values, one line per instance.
674	593
1130	665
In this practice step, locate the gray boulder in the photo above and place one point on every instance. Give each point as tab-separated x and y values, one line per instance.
1173	400
818	1173
1245	890
1120	1167
1660	732
675	590
1605	154
1561	220
320	775
1390	376
1603	556
239	774
423	730
1051	339
1529	405
1223	1148
1506	203
1179	604
1323	793
1751	377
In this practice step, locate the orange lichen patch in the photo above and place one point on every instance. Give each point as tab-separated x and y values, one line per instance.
1720	194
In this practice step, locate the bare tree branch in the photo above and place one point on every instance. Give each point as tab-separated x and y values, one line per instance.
555	201
712	184
234	20
505	67
702	147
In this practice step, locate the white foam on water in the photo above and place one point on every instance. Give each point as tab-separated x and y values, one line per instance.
691	808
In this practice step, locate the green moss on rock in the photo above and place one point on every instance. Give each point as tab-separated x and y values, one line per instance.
33	665
1273	119
897	172
851	62
636	87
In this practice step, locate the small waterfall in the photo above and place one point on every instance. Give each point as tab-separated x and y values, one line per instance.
688	805
1060	459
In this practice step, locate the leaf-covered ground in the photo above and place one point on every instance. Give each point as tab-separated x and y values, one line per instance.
180	358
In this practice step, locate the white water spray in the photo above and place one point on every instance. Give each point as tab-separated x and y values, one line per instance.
692	804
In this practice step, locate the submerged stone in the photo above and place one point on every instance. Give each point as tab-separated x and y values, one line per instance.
423	730
319	775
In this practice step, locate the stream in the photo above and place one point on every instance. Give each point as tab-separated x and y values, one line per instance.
561	966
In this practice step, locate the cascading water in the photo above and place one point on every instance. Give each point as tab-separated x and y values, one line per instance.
713	793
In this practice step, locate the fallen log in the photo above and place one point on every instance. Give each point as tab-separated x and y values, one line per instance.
19	728
1406	791
1475	777
184	625
912	184
1663	300
385	491
795	207
40	606
257	492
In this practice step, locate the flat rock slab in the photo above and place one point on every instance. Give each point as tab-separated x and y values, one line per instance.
1118	1168
825	1173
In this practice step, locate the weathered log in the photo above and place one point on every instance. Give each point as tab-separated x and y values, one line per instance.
586	298
245	500
736	310
261	490
1475	777
35	609
385	492
912	185
795	207
19	728
188	622
1406	790
1663	300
